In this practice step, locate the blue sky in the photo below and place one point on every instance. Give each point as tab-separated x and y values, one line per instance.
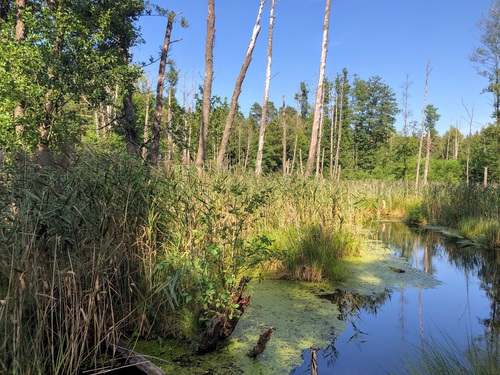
386	38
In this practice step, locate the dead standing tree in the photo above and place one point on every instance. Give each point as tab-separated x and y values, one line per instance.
263	121
20	36
154	151
207	85
419	158
237	89
319	94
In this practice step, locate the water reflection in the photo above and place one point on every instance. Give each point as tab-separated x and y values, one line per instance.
379	327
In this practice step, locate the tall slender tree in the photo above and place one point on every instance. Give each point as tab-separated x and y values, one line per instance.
237	89
154	152
263	122
207	85
422	132
20	35
431	118
318	108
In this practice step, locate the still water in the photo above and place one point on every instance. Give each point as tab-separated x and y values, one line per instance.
382	329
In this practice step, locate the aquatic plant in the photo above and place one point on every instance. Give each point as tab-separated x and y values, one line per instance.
447	356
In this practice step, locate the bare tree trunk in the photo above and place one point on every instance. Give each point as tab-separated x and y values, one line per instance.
146	121
239	144
427	71
170	132
20	35
427	156
237	89
283	141
457	144
320	136
406	108
46	123
333	127
128	114
470	114
448	144
301	162
263	121
96	123
186	157
207	85
294	153
154	151
340	124
319	93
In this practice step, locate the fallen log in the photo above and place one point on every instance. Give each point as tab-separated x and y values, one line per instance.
137	360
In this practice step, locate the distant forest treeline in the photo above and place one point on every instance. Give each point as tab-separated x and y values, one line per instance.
66	79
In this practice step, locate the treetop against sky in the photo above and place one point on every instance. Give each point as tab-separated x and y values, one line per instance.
386	38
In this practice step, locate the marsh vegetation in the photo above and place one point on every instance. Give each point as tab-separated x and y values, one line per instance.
97	249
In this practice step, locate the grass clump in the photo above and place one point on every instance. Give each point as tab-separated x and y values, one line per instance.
449	357
314	253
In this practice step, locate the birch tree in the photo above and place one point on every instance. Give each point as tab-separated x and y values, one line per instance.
319	93
237	89
263	122
422	132
207	85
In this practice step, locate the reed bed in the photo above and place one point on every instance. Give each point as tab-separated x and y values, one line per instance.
99	248
73	247
473	209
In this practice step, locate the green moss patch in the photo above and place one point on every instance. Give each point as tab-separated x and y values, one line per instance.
372	272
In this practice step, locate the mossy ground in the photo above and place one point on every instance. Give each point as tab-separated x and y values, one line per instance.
301	319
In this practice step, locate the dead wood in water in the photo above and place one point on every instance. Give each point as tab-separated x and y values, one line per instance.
314	362
135	359
261	344
397	270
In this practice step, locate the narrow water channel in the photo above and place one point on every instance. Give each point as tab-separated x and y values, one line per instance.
383	328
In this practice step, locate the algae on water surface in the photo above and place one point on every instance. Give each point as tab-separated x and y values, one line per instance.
372	272
301	319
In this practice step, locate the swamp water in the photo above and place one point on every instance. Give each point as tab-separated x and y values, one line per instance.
406	288
383	328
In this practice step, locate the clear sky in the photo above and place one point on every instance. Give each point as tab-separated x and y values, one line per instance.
386	38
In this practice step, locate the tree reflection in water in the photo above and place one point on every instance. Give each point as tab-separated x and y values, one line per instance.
471	282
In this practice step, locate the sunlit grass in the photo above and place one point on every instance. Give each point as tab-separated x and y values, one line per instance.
450	357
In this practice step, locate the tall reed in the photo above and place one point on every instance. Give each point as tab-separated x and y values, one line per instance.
449	357
71	256
474	209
